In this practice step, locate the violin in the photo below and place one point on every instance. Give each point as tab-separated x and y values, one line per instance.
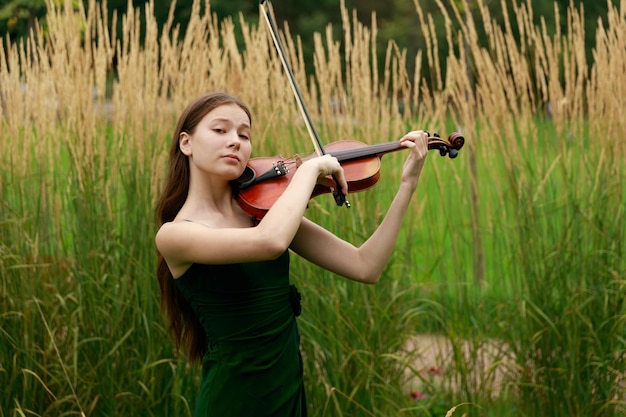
265	178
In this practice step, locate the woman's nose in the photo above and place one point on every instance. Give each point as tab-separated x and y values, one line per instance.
234	140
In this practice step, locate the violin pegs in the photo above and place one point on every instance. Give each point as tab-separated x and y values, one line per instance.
453	153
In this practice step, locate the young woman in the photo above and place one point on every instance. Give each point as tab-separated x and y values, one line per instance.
224	279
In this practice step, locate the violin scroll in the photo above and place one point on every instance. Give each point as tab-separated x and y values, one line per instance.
450	147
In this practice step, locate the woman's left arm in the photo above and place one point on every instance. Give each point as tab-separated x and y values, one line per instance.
366	262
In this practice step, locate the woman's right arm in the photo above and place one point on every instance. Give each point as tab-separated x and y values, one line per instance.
182	243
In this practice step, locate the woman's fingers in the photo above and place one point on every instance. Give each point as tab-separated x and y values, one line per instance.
417	141
329	170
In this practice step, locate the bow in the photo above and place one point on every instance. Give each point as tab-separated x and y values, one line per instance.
268	16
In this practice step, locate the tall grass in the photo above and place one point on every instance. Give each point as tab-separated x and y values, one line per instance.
512	255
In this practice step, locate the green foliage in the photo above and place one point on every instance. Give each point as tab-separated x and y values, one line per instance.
17	17
573	301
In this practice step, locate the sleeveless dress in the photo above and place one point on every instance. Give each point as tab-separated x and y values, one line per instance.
253	365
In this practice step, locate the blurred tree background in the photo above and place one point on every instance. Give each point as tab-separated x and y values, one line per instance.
396	19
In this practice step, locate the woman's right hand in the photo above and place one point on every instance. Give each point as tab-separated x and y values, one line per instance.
328	166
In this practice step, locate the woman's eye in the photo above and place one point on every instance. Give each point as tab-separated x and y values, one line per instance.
245	137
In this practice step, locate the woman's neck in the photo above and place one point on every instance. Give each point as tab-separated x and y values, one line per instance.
206	197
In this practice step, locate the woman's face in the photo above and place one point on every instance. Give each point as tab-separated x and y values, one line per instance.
220	143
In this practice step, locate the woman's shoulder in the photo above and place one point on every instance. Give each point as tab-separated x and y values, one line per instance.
169	230
169	241
178	234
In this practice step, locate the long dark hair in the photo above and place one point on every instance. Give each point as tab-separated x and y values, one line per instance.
184	325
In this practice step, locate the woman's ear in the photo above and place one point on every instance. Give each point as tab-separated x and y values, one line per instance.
184	143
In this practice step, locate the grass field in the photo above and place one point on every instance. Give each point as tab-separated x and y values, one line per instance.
506	295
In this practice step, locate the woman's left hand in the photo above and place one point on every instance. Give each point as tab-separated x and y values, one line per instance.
417	142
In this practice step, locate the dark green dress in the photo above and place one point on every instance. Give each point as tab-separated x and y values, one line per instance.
253	365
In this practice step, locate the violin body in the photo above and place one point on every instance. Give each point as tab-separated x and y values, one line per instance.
256	199
266	178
